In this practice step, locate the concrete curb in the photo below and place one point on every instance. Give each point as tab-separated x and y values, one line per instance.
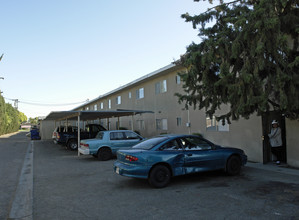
22	204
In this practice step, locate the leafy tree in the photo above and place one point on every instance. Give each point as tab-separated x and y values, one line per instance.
10	118
22	117
33	121
247	59
2	115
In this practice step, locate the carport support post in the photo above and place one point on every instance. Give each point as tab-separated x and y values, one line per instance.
132	124
78	134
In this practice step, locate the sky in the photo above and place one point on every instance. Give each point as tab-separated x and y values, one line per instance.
59	53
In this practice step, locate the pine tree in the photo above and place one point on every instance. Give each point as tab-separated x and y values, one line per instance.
247	59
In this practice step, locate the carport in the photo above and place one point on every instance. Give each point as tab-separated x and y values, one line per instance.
91	115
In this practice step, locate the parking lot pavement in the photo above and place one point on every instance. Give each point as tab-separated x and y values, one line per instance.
272	167
70	187
13	148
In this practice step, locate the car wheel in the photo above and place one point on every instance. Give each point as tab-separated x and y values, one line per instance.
104	154
233	165
72	145
159	176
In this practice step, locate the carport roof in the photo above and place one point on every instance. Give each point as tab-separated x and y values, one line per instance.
91	115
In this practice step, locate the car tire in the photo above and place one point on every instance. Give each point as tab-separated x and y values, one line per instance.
233	166
159	176
104	154
72	145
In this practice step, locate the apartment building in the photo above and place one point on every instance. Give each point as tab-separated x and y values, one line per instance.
156	92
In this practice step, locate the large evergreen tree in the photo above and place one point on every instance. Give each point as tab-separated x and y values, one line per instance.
247	59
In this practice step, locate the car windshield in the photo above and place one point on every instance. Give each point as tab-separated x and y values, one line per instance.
149	143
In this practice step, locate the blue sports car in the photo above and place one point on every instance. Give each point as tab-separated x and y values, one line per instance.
160	158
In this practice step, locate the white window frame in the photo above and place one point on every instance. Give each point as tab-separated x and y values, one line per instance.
140	93
102	105
178	79
109	103
179	121
161	87
140	124
161	124
118	100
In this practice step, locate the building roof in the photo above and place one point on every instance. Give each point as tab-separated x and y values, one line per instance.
156	73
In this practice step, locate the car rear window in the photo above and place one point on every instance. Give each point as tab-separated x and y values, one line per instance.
100	135
149	143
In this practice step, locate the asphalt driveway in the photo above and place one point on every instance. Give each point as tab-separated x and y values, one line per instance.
66	186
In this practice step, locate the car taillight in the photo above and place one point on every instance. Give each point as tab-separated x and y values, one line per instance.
131	158
84	145
57	135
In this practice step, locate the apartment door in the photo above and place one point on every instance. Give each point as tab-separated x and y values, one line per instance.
267	118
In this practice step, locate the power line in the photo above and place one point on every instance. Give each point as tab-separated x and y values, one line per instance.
44	104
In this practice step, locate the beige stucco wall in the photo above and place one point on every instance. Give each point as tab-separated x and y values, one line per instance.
46	129
243	134
292	141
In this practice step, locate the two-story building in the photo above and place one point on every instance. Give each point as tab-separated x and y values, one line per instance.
155	92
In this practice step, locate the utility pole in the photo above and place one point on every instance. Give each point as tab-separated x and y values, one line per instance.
16	101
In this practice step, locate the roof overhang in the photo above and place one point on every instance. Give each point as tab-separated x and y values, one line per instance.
91	115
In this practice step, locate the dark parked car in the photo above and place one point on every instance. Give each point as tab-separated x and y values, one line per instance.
55	132
70	138
162	157
57	136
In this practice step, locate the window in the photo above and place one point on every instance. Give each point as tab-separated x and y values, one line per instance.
161	124
214	125
140	124
131	136
118	100
102	105
196	143
109	103
161	87
178	79
100	135
130	95
171	145
117	136
140	93
95	107
149	143
178	121
87	108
